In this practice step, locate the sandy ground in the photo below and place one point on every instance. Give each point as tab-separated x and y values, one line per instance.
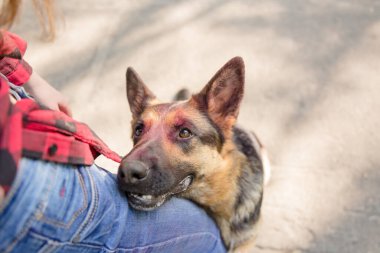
312	94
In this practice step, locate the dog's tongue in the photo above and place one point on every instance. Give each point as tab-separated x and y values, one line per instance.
183	185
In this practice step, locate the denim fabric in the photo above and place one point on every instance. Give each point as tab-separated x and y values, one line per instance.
60	208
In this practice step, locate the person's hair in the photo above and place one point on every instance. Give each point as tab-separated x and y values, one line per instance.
44	10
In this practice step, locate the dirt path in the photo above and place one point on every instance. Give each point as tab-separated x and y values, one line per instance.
312	94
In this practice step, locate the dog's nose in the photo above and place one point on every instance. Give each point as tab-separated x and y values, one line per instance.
133	172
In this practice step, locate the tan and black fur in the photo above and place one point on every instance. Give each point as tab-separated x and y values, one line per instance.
193	149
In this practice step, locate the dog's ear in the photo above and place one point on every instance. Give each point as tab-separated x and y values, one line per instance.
221	97
138	93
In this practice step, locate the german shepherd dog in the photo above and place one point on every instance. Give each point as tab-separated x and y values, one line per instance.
193	149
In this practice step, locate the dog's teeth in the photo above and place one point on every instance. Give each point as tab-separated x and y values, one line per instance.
140	196
147	197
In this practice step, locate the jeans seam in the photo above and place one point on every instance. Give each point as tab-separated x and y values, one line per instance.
47	248
92	209
76	214
33	217
215	245
171	240
56	244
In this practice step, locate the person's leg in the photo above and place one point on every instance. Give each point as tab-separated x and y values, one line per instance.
57	208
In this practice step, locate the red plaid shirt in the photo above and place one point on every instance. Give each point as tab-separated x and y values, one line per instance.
27	129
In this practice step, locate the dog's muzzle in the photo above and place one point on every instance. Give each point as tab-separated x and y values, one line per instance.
135	180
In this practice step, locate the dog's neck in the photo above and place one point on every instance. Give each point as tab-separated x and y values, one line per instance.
233	194
237	215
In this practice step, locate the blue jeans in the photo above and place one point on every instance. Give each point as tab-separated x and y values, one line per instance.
61	208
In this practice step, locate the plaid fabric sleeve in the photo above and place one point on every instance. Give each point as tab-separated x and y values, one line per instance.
12	65
12	48
10	140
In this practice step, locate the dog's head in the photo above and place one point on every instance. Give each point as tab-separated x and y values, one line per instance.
179	145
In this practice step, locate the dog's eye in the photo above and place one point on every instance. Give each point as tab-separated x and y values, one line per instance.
138	130
185	133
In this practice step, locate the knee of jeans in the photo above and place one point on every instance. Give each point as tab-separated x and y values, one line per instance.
192	221
178	221
191	216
